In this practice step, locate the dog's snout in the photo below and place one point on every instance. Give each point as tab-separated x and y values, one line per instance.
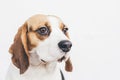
65	45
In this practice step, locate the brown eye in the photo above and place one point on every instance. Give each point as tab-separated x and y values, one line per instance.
43	31
65	30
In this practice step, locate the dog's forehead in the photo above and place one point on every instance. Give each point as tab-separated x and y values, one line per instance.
39	20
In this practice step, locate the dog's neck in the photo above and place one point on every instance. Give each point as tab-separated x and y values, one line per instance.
43	72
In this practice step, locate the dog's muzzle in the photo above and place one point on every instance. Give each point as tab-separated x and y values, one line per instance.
65	45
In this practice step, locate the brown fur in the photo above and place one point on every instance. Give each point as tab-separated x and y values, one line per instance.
33	40
37	21
19	50
68	65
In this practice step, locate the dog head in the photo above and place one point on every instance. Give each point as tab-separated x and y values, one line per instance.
41	39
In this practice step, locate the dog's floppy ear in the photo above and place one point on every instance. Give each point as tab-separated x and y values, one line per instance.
68	65
19	49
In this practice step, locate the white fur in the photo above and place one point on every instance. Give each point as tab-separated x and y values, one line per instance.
49	47
46	50
41	72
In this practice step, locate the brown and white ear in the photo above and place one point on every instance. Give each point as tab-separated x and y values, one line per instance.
19	49
68	65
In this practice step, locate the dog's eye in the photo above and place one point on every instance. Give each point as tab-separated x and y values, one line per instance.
65	30
43	31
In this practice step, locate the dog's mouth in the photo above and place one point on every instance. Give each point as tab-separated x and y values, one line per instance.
43	61
61	59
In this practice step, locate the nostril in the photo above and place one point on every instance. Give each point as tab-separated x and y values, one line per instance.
69	44
65	45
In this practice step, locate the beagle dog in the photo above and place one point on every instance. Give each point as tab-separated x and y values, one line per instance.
40	43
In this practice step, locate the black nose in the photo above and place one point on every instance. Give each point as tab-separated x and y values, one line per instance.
65	45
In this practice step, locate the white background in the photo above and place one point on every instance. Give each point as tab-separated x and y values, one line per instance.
94	29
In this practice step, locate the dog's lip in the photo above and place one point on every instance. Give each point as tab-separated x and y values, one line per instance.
43	61
61	59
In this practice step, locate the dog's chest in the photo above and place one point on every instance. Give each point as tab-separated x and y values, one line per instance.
41	74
